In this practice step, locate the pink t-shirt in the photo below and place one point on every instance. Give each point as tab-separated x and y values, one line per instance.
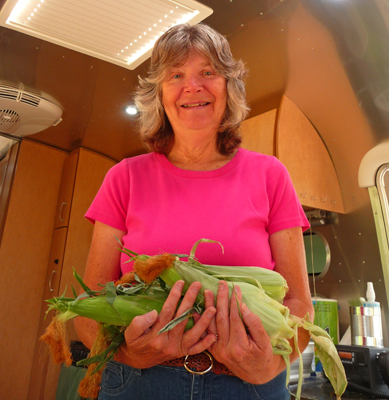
163	208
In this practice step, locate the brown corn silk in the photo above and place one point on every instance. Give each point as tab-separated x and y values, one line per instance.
56	339
149	268
129	277
90	386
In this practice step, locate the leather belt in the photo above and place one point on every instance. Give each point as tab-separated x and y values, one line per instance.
199	364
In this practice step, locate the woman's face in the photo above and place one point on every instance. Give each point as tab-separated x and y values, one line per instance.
194	96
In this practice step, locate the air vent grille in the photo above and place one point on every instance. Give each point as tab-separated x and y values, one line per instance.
8	93
30	99
15	93
25	111
8	117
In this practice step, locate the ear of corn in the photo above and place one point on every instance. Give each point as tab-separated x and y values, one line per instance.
262	291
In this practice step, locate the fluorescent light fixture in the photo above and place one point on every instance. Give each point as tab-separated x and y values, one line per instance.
121	32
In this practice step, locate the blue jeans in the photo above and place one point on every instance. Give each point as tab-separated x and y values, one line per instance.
122	382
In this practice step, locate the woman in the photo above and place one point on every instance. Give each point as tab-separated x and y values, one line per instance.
197	183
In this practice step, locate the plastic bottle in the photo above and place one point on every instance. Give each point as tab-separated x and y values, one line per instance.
370	296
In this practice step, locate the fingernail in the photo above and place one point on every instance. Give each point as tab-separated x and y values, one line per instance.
150	316
180	284
245	309
221	285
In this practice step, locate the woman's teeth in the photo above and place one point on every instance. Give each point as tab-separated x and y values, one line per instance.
194	105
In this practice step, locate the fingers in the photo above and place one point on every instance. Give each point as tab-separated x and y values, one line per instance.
222	316
254	325
210	302
196	339
193	335
237	328
140	325
169	308
189	298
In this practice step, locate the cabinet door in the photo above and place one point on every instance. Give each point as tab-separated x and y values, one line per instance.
66	191
24	253
91	170
300	148
7	168
43	365
258	133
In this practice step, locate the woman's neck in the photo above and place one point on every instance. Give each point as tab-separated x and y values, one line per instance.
197	157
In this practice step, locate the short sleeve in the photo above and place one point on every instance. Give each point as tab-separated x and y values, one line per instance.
285	209
111	202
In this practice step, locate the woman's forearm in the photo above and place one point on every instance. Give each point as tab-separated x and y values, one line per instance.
87	330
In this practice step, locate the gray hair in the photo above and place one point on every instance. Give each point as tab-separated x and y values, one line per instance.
172	49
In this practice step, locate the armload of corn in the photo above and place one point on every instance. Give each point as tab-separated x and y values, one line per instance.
116	304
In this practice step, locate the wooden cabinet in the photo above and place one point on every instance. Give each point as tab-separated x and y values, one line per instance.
7	168
66	192
41	377
258	133
300	148
83	174
24	253
288	134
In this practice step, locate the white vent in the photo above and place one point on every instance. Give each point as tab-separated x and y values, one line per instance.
122	32
23	111
12	92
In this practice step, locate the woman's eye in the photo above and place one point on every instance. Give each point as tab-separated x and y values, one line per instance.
175	76
208	73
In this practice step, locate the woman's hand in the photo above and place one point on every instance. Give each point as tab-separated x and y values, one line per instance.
248	355
144	348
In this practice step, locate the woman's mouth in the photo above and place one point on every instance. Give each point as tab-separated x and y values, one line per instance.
194	105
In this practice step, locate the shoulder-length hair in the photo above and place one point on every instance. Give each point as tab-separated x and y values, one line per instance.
172	49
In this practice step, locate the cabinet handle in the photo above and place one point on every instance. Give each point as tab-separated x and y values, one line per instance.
60	211
51	276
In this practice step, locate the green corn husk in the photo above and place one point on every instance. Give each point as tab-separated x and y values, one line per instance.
263	292
271	282
275	317
113	308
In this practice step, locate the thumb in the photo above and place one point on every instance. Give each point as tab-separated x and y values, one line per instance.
140	325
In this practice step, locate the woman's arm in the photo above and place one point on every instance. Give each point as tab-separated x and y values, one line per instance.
289	255
103	266
241	352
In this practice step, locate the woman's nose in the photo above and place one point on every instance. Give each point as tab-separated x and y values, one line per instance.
193	84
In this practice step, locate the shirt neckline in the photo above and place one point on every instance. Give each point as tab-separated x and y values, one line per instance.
161	158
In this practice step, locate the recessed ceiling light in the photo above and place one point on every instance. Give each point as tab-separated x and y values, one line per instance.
132	110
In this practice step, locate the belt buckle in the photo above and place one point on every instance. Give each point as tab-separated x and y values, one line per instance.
186	362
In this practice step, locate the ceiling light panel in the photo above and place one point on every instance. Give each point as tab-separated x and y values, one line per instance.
122	32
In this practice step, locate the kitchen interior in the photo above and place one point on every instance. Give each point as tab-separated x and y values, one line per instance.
318	91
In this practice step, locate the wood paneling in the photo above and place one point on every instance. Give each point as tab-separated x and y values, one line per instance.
24	255
300	148
258	133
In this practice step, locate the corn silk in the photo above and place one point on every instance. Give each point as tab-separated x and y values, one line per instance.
147	288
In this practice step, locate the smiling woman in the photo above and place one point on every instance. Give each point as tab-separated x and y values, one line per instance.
215	62
197	183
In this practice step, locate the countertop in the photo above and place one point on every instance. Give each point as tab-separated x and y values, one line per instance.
321	389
